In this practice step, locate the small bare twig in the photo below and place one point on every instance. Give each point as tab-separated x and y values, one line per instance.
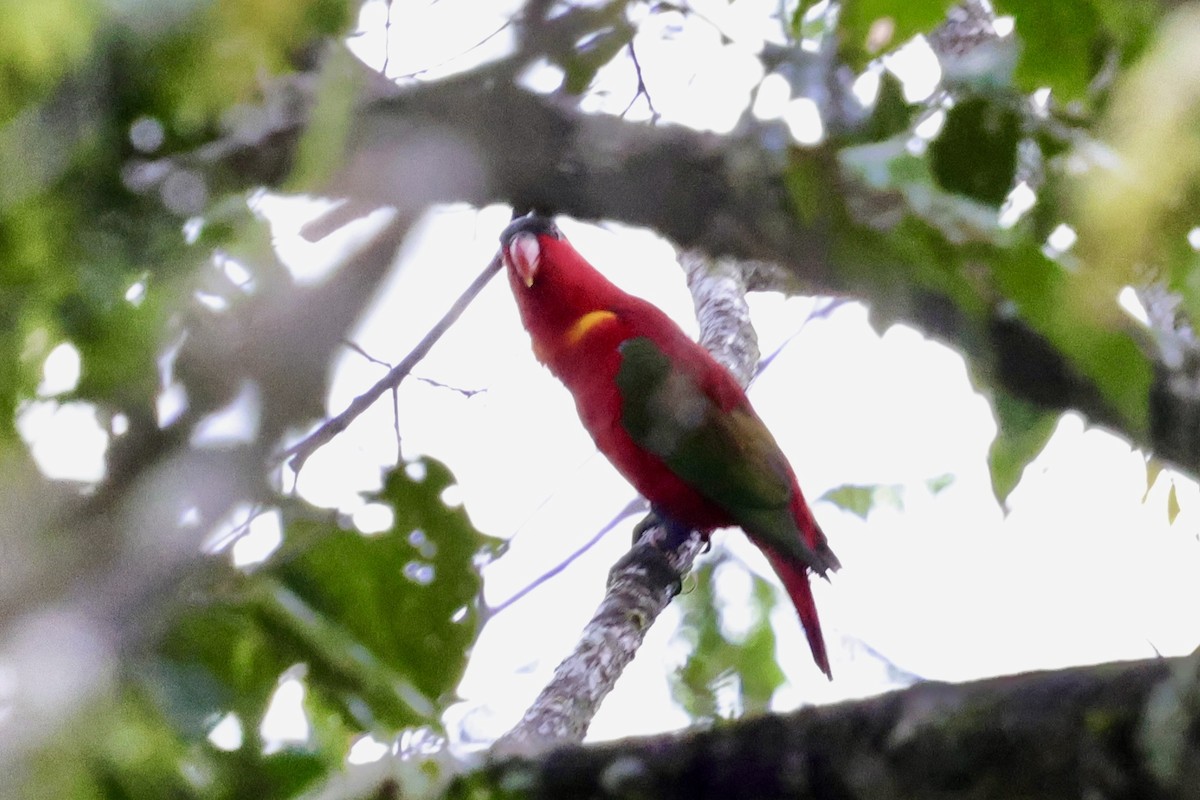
440	64
632	507
387	41
358	349
395	396
300	452
822	312
456	389
642	91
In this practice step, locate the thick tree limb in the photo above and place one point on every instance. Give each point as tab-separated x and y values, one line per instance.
477	138
1125	731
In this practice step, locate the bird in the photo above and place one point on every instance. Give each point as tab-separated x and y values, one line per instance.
672	420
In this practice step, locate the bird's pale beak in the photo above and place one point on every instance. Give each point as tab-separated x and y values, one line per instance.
524	254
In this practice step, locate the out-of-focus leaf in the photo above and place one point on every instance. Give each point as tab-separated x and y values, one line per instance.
803	25
130	751
891	114
1154	468
939	483
1183	263
1065	45
1022	431
40	43
594	52
1079	316
889	166
237	653
871	27
1060	44
976	152
721	677
860	500
1172	504
411	599
1133	202
383	622
330	121
217	57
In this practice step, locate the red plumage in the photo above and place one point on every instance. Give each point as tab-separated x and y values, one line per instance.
578	321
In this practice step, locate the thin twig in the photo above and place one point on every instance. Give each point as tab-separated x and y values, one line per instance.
824	311
453	58
387	41
641	88
358	349
632	507
298	453
457	389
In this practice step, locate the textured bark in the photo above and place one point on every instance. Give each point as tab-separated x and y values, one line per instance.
718	289
1128	731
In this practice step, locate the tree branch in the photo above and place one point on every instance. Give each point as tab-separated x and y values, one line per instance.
455	141
1122	731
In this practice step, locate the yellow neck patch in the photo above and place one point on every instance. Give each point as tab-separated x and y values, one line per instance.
585	324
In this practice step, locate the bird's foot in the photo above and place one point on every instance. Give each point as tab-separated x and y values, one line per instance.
648	523
655	536
646	557
660	530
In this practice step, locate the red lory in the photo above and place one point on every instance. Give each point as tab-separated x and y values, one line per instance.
670	418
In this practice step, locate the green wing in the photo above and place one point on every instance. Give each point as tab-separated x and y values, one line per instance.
729	458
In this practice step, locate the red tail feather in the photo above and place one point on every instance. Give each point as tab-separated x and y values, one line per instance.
795	581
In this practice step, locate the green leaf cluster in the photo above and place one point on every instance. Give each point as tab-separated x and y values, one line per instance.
377	627
725	676
924	230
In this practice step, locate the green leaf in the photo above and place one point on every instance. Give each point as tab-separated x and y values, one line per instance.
723	677
383	621
1022	431
406	596
889	167
319	154
891	115
1154	468
586	59
860	500
871	27
939	483
1059	44
1172	504
40	44
976	152
1079	316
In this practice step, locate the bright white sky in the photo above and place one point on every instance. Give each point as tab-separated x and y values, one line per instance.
1081	570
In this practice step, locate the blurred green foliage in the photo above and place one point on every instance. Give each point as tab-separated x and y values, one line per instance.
377	627
75	75
728	671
